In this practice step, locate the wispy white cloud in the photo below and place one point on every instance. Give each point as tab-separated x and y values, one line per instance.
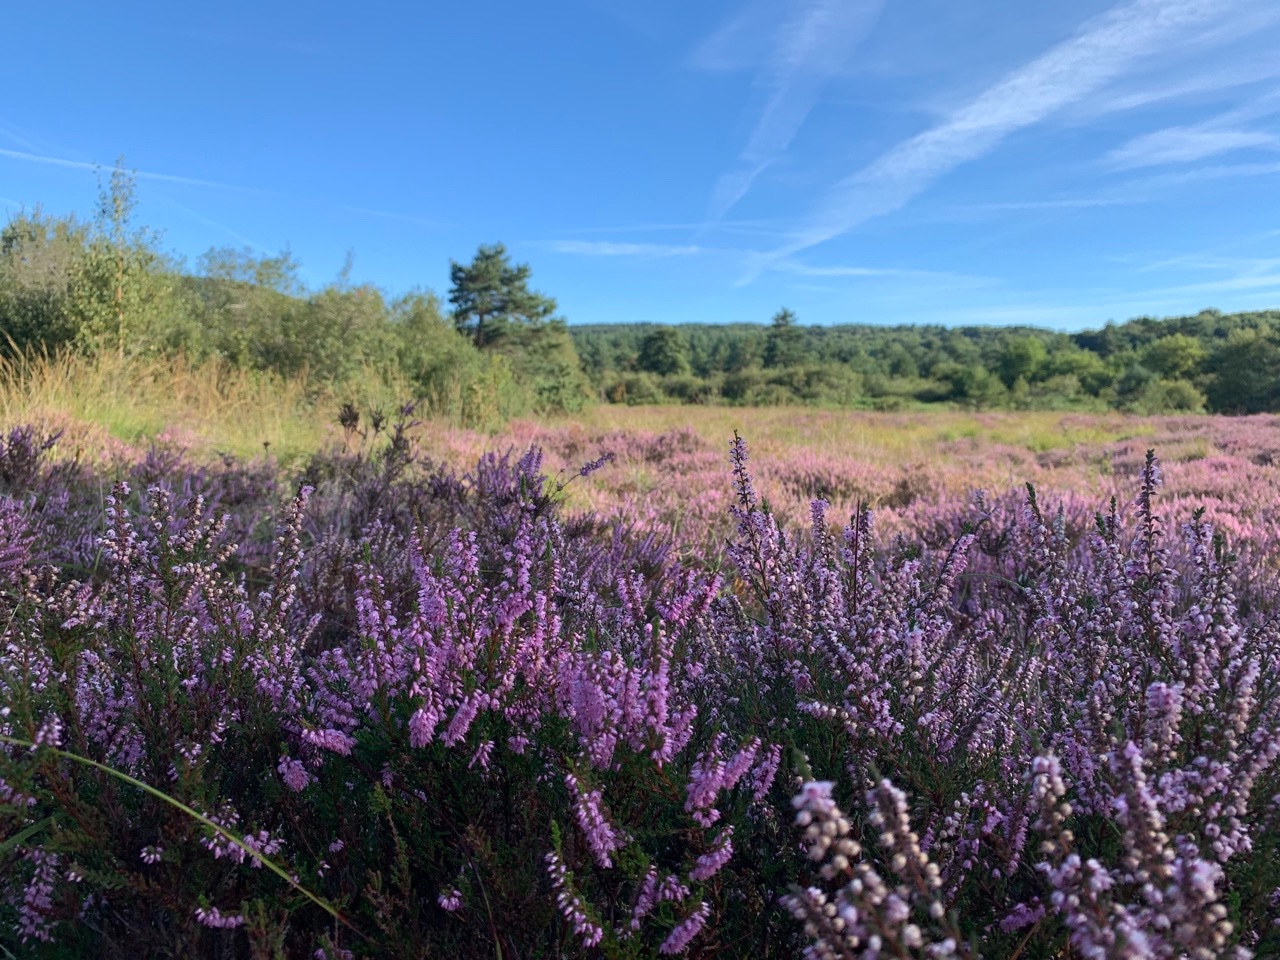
756	228
14	135
766	231
1224	133
1104	49
847	270
140	174
1129	192
210	222
606	248
740	43
1238	266
961	211
1186	144
809	47
1152	187
1191	82
1251	282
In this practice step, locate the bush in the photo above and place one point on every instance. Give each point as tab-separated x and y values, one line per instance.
461	722
689	389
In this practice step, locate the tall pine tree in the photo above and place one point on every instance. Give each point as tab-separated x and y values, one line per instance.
784	345
489	295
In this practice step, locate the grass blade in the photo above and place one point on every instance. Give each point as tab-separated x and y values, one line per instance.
195	815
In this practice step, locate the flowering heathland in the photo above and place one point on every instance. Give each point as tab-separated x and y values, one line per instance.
394	709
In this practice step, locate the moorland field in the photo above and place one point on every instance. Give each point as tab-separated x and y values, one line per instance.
336	627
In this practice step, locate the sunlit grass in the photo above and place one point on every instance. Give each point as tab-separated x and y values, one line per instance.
211	407
876	437
214	408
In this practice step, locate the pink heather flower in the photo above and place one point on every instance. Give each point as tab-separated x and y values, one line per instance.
1022	915
688	928
592	466
450	900
709	864
766	770
422	727
212	917
50	732
649	895
706	779
645	900
263	842
814	796
293	773
601	836
481	757
740	763
13	797
333	740
462	721
151	854
571	905
37	898
336	846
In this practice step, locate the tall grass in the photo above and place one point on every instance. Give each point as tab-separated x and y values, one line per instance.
874	436
211	406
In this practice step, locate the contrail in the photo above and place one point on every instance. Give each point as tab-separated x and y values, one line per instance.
140	174
1070	71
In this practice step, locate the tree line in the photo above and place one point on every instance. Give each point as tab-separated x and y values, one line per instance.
495	347
1211	361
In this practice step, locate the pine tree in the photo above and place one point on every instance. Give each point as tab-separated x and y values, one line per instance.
664	351
490	294
785	344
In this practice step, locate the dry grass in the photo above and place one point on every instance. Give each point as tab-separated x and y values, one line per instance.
215	407
210	407
867	436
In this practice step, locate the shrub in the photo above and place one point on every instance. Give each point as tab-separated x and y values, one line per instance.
460	720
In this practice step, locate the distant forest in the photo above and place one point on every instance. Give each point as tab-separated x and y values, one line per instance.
1226	363
495	348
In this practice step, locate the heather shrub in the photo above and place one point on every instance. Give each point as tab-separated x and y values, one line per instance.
438	711
503	718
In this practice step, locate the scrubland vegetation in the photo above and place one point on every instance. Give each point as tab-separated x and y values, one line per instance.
339	627
496	348
459	712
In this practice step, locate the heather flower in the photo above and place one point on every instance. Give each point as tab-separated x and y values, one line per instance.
151	854
709	864
601	836
422	726
334	740
212	917
571	905
480	758
1000	684
688	928
34	922
293	773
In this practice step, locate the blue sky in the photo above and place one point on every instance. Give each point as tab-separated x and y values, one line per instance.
883	161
